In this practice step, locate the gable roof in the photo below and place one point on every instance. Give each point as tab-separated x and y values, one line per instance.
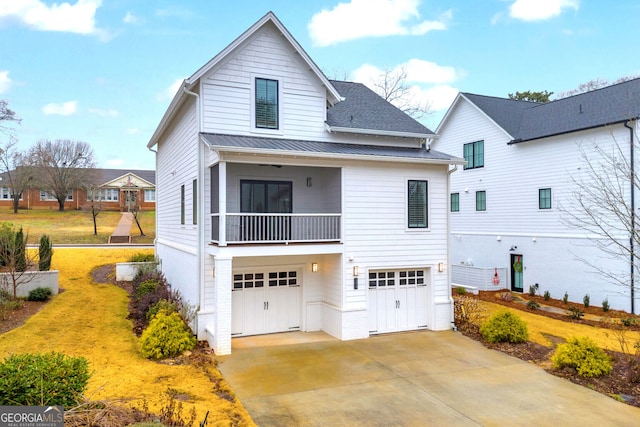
333	95
526	121
364	111
100	177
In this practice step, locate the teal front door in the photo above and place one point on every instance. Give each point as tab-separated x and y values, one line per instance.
517	267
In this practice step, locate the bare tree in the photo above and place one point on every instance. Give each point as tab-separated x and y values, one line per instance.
63	166
594	84
604	208
15	259
15	166
392	86
94	206
6	115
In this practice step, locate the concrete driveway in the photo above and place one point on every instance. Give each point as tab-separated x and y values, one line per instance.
406	379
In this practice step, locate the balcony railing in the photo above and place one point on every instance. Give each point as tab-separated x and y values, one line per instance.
275	228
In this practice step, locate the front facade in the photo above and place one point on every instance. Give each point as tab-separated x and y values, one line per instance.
288	202
112	189
515	212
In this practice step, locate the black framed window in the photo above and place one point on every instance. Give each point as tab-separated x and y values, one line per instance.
544	198
182	204
266	103
194	202
455	202
474	154
481	200
417	204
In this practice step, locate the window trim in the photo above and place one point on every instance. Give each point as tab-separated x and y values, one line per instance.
408	206
540	199
484	208
182	207
473	163
194	202
254	127
457	202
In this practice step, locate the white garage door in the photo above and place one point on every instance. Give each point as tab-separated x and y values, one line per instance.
397	300
265	302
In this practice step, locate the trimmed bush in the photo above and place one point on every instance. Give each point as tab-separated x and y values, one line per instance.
504	326
532	290
20	251
166	336
533	305
39	294
583	355
547	295
43	379
586	300
140	257
565	298
605	305
575	313
45	253
163	305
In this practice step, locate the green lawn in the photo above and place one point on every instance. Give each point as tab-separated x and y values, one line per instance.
76	227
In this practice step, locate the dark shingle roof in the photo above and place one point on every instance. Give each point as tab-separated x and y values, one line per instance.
106	175
525	121
362	108
327	148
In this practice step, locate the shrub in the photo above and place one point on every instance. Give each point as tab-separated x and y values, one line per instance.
468	313
163	305
605	305
8	305
628	321
565	298
547	295
45	253
504	326
585	300
461	291
141	257
575	312
21	251
43	379
532	290
583	355
147	287
39	294
533	305
166	336
505	296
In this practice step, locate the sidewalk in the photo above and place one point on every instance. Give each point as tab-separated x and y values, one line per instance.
122	230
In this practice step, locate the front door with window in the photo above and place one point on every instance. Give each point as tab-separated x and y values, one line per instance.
517	267
266	197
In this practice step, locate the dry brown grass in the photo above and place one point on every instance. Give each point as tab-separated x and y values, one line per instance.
89	320
75	227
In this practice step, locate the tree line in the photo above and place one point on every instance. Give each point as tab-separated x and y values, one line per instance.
58	166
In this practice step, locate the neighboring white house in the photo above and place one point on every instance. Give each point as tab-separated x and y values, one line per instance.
511	204
289	202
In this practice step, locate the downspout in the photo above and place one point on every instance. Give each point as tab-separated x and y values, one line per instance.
633	216
200	205
449	172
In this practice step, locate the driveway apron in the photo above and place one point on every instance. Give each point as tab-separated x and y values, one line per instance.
404	379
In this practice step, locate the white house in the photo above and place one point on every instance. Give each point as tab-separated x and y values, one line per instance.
289	202
514	204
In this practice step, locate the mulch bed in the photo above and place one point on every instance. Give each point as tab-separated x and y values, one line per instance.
623	383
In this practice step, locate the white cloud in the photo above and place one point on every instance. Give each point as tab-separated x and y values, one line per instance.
130	18
370	18
104	113
64	109
65	17
5	81
132	131
539	10
170	91
115	163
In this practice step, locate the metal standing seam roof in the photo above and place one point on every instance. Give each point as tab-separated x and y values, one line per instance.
266	145
526	121
364	109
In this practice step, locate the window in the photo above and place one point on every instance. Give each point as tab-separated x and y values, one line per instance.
455	202
105	194
474	154
481	200
5	193
194	202
182	204
381	279
417	204
266	92
544	198
265	196
149	195
45	195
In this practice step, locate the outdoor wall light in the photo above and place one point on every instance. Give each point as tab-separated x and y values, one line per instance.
314	267
440	267
355	277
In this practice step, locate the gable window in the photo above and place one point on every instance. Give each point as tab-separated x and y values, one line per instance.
474	154
182	204
417	204
266	103
455	202
544	198
481	200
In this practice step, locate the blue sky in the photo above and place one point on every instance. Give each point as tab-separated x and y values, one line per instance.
104	71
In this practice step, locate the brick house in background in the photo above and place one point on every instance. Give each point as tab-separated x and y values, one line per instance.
115	189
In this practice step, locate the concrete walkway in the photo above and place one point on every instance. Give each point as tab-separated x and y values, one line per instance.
121	234
405	379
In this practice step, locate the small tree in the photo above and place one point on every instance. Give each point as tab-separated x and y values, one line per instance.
94	206
15	259
45	253
540	96
135	217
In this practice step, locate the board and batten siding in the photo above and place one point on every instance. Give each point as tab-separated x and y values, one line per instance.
176	166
